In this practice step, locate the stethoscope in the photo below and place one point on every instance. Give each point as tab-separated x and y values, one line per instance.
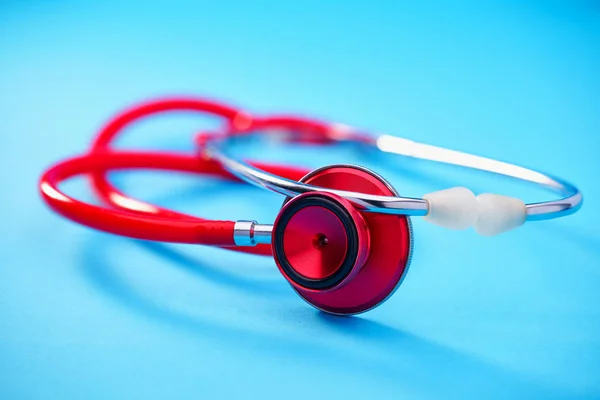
343	237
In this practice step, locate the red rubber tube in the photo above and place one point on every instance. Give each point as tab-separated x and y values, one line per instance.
311	131
236	122
141	220
148	227
102	186
113	197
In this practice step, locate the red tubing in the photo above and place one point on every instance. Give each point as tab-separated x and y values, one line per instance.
105	190
136	219
152	225
127	223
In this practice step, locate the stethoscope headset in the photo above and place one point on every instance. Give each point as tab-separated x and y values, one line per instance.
343	237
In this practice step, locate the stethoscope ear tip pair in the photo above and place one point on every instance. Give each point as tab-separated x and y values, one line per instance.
489	214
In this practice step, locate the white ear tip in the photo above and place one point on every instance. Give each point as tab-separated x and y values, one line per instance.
498	214
454	208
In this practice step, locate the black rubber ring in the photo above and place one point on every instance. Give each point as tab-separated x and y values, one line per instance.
351	233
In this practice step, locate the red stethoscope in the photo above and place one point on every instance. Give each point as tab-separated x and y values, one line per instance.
343	237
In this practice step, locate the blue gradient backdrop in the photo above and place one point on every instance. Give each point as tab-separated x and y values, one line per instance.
88	315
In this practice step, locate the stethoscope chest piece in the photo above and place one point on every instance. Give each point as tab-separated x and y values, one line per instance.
338	259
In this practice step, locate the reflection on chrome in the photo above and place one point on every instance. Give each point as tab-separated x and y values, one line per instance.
407	205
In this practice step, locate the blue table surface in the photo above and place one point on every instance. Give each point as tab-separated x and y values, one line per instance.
85	314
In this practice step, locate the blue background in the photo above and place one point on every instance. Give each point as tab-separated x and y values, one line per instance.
84	314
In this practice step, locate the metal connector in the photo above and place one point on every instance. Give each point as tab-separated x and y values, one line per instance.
250	233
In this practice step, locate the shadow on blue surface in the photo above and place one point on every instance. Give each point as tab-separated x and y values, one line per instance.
585	240
361	346
190	264
404	360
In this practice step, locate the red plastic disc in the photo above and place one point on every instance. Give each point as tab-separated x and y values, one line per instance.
389	252
316	255
320	241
